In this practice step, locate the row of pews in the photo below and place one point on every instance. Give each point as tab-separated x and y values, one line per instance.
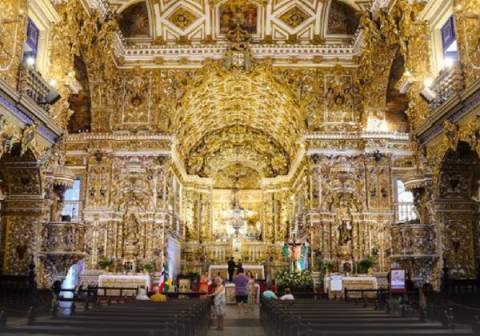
176	317
325	318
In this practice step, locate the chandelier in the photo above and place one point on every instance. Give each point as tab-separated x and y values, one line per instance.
236	217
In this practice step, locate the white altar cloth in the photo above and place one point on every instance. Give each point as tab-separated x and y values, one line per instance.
257	270
125	281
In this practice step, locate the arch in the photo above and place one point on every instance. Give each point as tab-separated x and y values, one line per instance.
397	101
239	117
80	102
342	19
135	20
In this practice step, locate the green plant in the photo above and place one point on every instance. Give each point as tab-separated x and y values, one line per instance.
148	267
105	262
326	266
296	281
365	264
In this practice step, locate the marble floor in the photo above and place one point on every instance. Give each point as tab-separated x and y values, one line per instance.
236	325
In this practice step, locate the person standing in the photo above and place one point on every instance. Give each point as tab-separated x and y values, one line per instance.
219	301
241	290
231	269
252	293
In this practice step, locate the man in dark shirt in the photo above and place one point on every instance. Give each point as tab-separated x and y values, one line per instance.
231	269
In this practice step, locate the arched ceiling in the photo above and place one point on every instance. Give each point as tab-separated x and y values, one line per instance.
236	117
199	20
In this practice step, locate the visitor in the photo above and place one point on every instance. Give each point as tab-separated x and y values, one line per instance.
142	294
287	296
203	287
219	301
157	296
269	295
241	290
252	293
239	266
231	269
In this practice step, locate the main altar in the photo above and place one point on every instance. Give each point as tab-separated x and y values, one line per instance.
258	271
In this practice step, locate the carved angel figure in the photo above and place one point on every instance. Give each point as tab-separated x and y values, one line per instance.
28	135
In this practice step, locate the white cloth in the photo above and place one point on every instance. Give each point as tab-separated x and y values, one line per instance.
287	297
142	295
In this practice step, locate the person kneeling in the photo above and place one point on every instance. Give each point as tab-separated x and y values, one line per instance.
288	295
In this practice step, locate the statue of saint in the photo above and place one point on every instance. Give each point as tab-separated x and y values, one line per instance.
344	232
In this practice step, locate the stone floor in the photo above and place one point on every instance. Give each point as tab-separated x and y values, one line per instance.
236	325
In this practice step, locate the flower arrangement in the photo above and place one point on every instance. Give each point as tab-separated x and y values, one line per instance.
148	267
105	263
326	266
296	281
365	264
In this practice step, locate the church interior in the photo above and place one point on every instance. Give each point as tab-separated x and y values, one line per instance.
155	140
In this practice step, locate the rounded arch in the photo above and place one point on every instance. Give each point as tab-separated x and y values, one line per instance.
397	100
220	115
136	19
342	18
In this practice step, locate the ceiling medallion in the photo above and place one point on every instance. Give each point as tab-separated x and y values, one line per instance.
294	17
182	18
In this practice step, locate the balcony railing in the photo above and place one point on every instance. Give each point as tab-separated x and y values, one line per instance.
449	82
32	84
405	212
72	210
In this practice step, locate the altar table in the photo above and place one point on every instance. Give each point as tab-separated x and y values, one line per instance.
125	281
257	270
336	284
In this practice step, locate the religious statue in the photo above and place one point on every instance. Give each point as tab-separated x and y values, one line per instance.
132	231
344	232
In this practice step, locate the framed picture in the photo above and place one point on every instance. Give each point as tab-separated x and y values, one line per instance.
397	281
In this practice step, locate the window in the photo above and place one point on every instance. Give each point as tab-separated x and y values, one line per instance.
405	209
41	17
440	18
72	203
30	49
449	42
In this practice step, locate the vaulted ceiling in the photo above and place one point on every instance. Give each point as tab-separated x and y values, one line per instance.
237	117
183	21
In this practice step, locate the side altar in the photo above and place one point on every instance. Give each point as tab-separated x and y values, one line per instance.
336	284
113	280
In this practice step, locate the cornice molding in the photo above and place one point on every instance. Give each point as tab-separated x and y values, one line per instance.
454	109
